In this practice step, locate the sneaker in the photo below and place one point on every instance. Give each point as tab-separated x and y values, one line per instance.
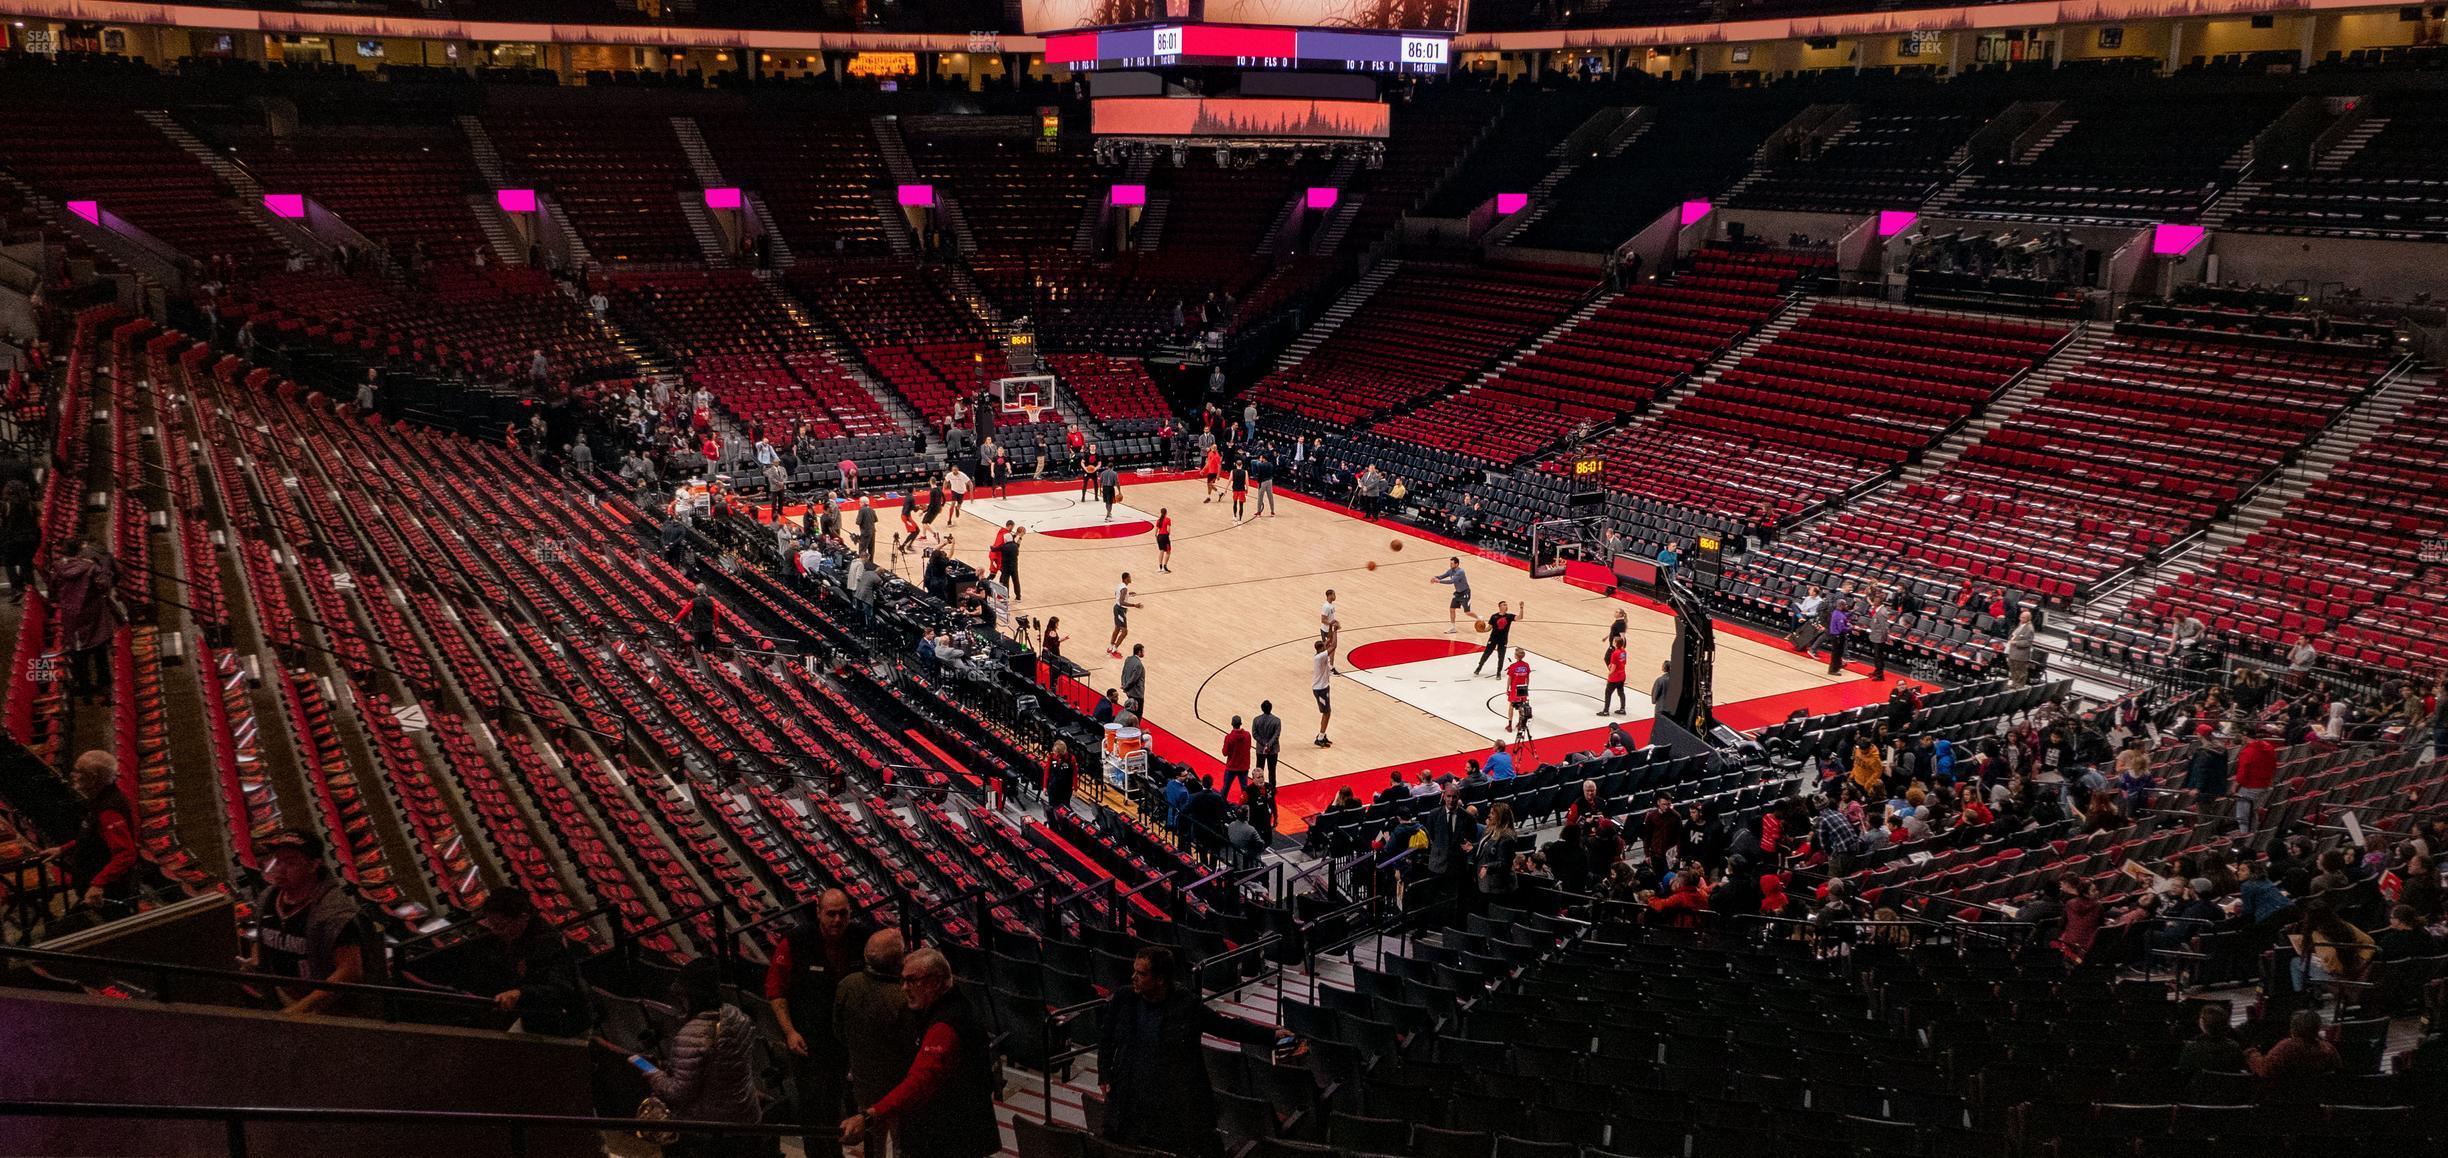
1451	630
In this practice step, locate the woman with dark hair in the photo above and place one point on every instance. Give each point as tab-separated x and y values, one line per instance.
2083	917
709	1066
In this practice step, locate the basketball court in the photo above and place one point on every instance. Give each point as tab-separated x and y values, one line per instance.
1234	623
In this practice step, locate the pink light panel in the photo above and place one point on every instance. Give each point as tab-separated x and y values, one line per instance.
1693	211
1324	196
1508	204
1126	195
918	196
515	200
91	211
2175	240
289	206
1895	221
727	197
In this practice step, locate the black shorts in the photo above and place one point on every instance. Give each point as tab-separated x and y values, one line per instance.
1325	697
1121	616
1111	494
1461	601
1164	542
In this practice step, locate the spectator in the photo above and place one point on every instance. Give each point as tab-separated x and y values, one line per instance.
804	973
2083	917
708	1071
1453	834
542	985
2020	651
944	1106
2405	937
308	926
2215	1049
101	862
1495	852
1237	750
85	606
1061	778
1150	1064
2303	1053
2256	769
871	1021
2330	948
1500	763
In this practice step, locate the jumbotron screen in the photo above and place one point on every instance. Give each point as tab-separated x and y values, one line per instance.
1235	46
1267	117
1040	17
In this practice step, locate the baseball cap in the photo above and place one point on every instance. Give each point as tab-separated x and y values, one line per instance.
2199	884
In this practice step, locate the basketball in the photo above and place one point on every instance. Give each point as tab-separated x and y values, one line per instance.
1372	564
1479	625
1396	545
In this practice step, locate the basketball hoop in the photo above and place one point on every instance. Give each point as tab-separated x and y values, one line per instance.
1030	409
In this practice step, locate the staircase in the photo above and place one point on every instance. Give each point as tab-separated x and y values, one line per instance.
2269	498
1342	310
292	237
896	227
1796	308
579	257
777	247
1570	322
2031	386
711	241
1152	218
2349	145
1542	194
955	223
1966	176
2236	197
973	295
1089	237
2055	133
1338	221
700	158
481	151
497	231
885	396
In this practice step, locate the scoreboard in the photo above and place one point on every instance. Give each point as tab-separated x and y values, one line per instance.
1237	46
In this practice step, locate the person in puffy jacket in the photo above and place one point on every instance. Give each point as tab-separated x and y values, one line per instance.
709	1066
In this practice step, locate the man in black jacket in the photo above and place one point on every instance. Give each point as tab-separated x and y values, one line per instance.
543	986
1452	833
806	968
1148	1062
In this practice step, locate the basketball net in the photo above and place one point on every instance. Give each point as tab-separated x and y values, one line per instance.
1030	409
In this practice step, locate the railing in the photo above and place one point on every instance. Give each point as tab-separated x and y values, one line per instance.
517	1130
160	971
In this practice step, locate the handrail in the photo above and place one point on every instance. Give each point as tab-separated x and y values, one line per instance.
235	1119
387	993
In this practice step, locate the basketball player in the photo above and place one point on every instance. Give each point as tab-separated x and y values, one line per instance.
1164	542
1088	467
1240	488
1122	605
1460	603
907	540
1213	466
1321	685
994	552
935	505
956	483
1330	626
1517	691
1500	631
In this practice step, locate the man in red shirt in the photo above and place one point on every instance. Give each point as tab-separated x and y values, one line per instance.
1615	694
1517	691
1236	759
944	1106
2256	767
